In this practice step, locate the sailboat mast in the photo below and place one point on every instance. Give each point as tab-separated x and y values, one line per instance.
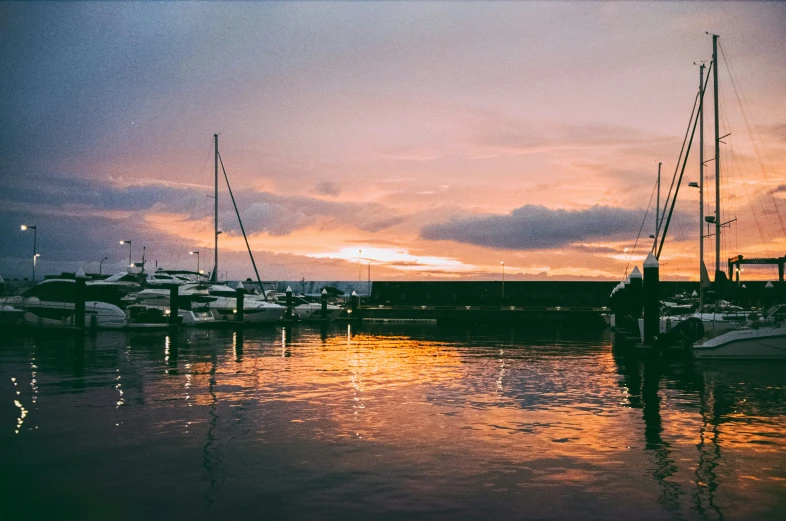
717	157
657	209
701	185
214	276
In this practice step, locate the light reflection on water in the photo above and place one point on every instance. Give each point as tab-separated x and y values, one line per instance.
405	422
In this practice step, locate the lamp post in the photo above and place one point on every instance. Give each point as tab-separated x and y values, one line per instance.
26	227
129	251
101	265
700	187
502	263
195	252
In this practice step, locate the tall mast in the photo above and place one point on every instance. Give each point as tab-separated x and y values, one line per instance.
701	185
657	209
214	275
717	157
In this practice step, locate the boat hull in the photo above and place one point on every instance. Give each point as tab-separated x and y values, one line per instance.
745	344
313	312
266	315
98	315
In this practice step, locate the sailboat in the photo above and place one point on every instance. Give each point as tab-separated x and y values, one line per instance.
221	300
737	336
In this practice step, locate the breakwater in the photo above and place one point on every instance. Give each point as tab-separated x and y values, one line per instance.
515	293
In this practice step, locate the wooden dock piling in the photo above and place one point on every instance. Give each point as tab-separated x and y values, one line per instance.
651	300
241	297
79	300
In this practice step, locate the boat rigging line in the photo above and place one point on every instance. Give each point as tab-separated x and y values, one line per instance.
695	119
679	158
748	126
640	228
242	229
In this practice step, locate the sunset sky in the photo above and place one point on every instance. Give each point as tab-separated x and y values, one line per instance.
440	138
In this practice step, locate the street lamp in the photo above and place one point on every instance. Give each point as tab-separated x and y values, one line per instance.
195	252
700	188
502	263
129	251
26	227
101	265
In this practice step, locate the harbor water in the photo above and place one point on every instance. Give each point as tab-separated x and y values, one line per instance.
383	422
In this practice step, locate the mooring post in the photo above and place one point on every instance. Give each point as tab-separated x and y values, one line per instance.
289	303
635	294
174	309
354	303
613	306
651	301
241	301
324	304
79	299
626	298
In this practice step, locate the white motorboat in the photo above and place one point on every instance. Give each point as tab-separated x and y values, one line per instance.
52	303
162	278
222	301
755	344
152	316
218	299
306	310
714	323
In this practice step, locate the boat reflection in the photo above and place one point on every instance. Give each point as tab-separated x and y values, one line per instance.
716	415
457	412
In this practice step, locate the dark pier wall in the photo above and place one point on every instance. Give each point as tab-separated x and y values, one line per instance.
489	293
546	293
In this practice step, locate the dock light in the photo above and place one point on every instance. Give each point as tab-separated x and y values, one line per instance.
24	228
234	311
129	252
167	312
195	252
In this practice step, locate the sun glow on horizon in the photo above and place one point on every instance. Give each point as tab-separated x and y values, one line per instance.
399	259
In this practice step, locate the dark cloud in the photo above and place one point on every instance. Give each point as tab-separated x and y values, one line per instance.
327	188
282	215
57	191
602	250
534	227
381	224
81	221
260	211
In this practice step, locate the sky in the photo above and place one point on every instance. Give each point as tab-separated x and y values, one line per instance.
405	140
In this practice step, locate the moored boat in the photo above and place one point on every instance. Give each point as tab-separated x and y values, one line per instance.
750	344
52	303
